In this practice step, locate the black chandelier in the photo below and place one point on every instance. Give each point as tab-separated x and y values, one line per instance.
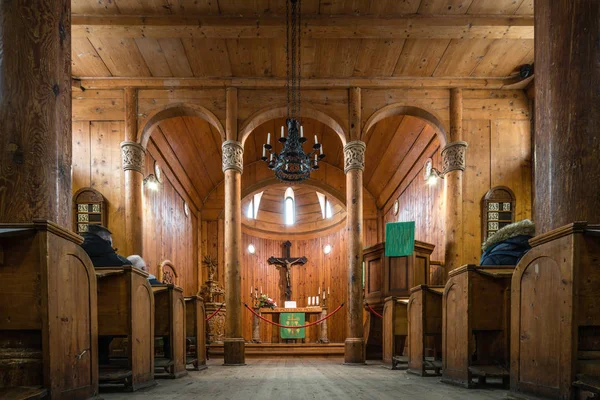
292	164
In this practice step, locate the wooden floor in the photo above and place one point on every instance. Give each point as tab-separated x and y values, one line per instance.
304	378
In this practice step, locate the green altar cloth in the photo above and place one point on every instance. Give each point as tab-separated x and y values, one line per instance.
291	320
399	238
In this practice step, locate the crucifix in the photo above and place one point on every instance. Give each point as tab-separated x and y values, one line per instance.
286	263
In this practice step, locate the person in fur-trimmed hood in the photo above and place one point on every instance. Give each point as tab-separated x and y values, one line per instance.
508	245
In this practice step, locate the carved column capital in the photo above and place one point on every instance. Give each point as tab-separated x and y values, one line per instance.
233	156
454	157
133	156
354	155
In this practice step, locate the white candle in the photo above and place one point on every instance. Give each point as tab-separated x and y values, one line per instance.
327	289
264	151
317	300
261	290
301	131
316	159
321	150
271	156
282	131
316	141
323	295
309	301
269	138
319	290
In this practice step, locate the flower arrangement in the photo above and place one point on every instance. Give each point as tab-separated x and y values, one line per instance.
265	301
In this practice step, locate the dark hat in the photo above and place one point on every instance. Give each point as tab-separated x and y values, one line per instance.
97	229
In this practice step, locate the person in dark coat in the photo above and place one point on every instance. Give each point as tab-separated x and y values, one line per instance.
508	245
97	244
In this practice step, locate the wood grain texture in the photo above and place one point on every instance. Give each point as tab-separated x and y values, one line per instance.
35	111
567	145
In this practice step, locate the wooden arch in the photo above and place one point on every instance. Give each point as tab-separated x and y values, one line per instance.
269	114
177	110
402	109
167	272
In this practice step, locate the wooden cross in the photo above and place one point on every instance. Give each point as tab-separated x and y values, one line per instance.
286	263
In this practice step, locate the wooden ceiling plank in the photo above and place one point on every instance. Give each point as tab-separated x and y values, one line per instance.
154	57
85	60
176	57
206	7
121	56
203	136
407	82
208	57
93	7
314	27
489	7
504	57
378	57
380	138
526	8
249	57
455	7
143	6
462	57
394	7
420	57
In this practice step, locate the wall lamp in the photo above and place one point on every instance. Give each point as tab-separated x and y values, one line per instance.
430	173
151	182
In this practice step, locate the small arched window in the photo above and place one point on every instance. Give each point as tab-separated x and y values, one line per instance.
498	210
289	207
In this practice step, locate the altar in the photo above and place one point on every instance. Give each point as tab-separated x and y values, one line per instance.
288	332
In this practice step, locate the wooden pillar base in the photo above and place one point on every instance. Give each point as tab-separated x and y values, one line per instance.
235	352
354	351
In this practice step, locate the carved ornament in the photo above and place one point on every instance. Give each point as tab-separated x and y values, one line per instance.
454	157
233	156
354	156
133	156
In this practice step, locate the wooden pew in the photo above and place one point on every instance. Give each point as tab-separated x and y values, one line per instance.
425	330
169	324
126	310
195	332
395	331
476	324
48	328
555	316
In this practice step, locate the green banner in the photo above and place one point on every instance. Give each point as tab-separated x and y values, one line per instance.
291	320
399	238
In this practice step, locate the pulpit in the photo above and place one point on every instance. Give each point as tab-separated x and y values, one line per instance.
390	276
48	329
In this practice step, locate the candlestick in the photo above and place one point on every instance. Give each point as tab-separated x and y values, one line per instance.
269	138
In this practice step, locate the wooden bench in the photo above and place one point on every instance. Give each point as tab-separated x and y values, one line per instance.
425	330
195	324
395	332
555	316
169	325
126	310
48	329
476	324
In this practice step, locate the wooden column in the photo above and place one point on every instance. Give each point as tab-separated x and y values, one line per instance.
354	165
567	117
35	111
234	345
134	157
453	160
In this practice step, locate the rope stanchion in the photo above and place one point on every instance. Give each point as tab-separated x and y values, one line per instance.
373	311
298	327
215	313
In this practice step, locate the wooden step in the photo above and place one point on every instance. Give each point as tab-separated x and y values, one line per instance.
284	349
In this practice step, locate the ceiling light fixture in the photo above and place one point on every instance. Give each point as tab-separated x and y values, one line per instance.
292	164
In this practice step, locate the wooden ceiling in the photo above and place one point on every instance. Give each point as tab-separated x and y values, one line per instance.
342	38
309	218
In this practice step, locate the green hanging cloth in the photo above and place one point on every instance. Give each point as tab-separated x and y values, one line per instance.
399	238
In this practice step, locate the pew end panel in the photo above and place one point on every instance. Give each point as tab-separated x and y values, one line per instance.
195	332
555	315
476	324
126	310
425	330
48	329
169	323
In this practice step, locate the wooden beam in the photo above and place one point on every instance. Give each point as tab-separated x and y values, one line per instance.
98	83
313	27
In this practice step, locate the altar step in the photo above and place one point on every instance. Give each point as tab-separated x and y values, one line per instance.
284	349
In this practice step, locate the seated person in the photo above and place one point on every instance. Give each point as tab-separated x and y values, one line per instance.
97	244
139	262
508	245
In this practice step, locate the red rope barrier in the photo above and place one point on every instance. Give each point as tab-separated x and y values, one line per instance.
373	311
215	313
302	326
